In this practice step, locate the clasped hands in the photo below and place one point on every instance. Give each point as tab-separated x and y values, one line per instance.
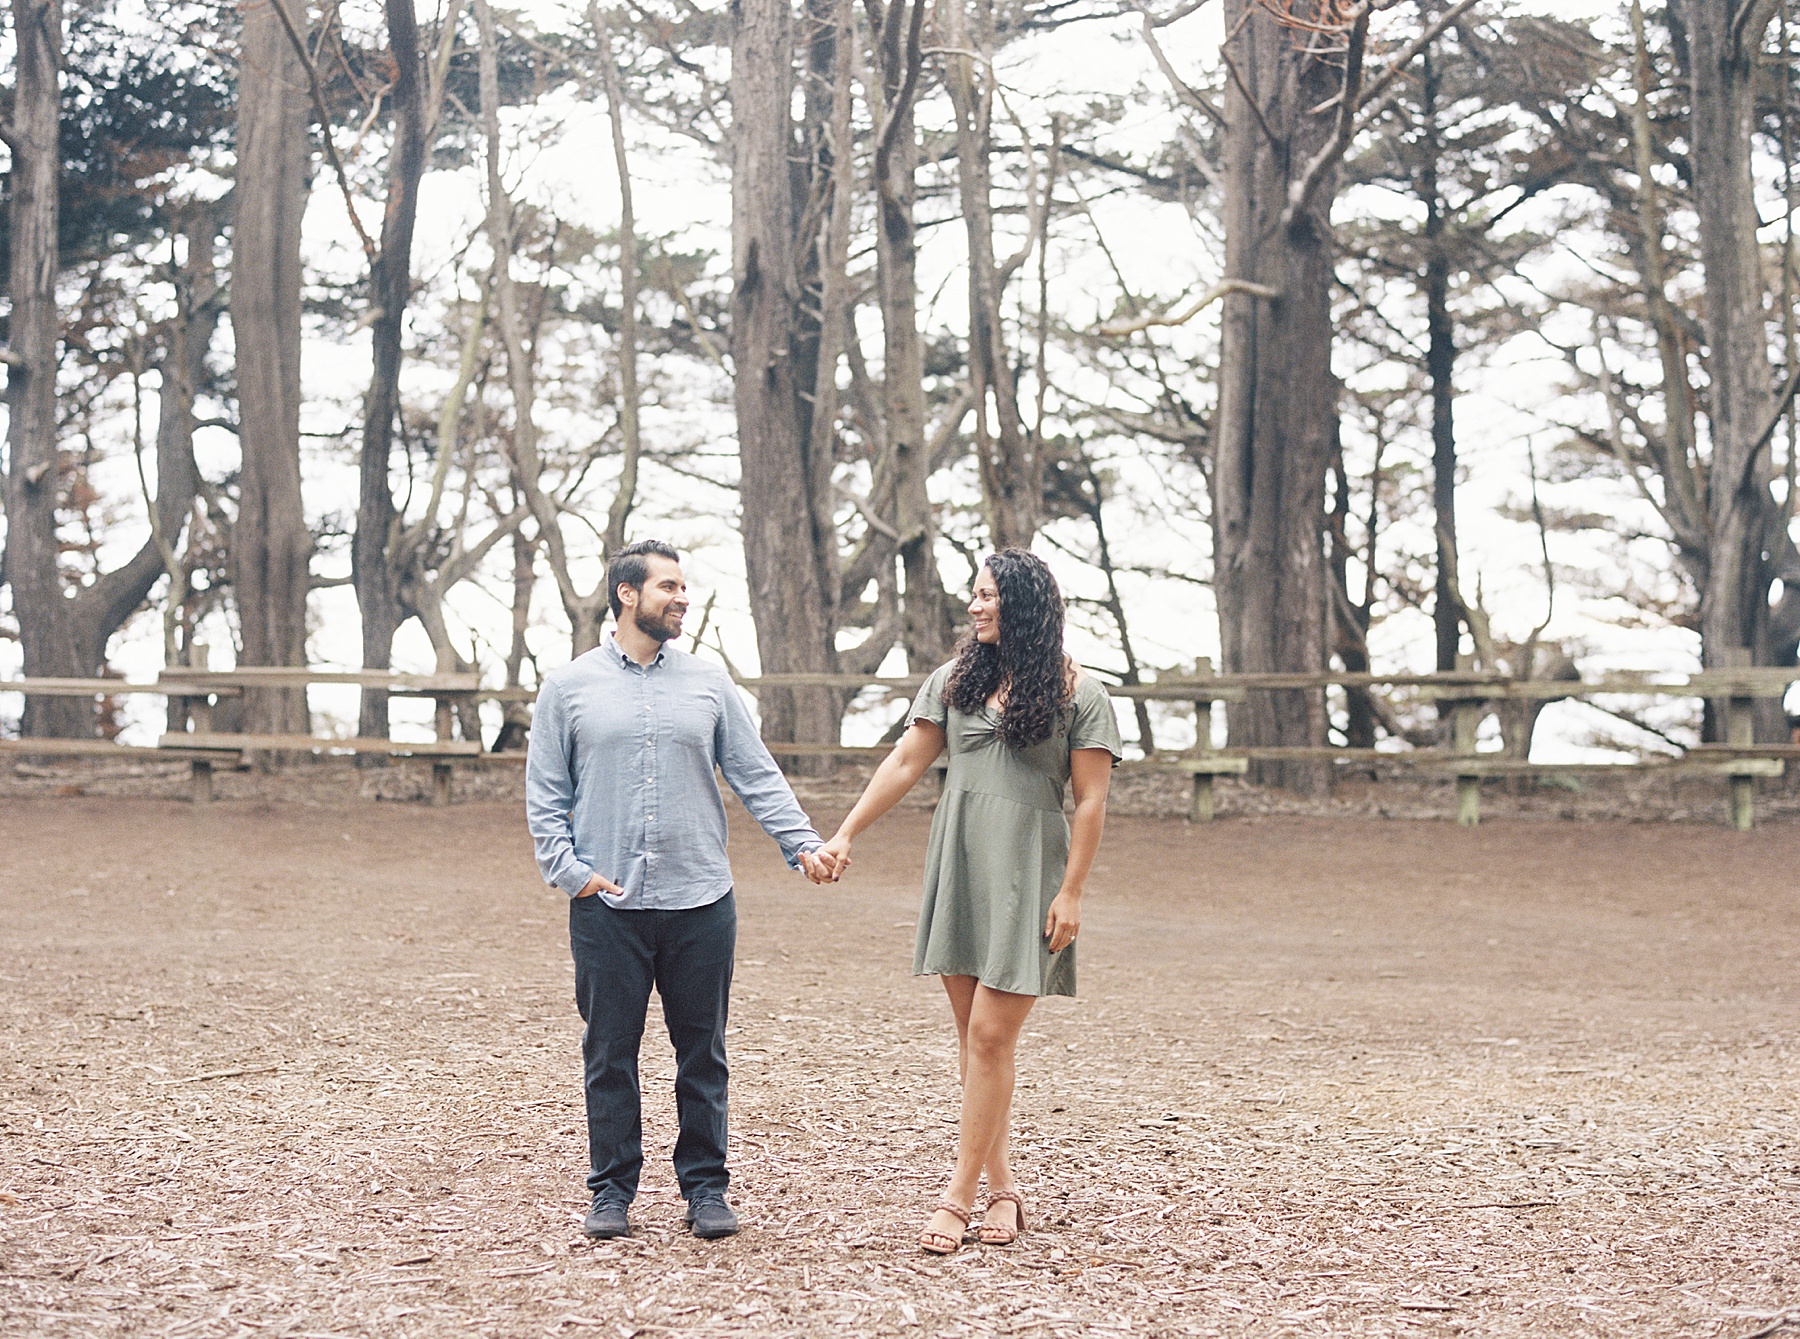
828	863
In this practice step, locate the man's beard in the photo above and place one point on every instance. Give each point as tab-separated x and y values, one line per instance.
664	629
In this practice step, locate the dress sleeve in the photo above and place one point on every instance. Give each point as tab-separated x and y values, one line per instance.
1095	726
929	705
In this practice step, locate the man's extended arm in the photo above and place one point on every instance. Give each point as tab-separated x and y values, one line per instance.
550	794
757	781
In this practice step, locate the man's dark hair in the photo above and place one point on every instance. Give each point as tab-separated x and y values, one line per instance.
628	568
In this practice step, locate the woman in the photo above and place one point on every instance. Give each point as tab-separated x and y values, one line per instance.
1004	871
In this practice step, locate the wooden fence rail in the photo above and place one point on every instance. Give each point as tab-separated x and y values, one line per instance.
1465	694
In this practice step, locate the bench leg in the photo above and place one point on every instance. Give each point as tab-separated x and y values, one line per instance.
1203	798
1743	803
1468	801
201	780
441	773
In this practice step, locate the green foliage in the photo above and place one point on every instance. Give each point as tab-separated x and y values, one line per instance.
146	96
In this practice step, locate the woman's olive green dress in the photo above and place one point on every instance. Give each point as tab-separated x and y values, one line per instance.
999	844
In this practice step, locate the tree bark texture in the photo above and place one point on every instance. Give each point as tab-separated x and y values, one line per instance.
789	546
33	480
1746	523
1744	519
390	289
102	608
270	545
65	634
1011	467
925	628
629	395
1440	371
1277	397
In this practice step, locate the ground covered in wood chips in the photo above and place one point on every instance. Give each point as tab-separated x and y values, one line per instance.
283	1069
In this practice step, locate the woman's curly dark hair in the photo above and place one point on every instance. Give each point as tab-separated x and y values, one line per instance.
1028	658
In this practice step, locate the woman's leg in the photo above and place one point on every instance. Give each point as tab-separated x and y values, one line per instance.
990	1039
961	990
1003	1016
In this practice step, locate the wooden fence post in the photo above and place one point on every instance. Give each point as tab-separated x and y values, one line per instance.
1465	719
1740	732
444	723
1202	809
199	714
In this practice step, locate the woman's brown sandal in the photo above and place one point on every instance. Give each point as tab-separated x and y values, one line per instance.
999	1234
942	1243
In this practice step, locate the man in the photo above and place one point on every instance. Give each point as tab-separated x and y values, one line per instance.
627	819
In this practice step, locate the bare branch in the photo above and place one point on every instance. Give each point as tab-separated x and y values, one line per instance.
1301	193
298	42
1749	23
1193	309
909	88
1354	98
1397	66
1180	12
1237	77
1782	402
863	510
1185	91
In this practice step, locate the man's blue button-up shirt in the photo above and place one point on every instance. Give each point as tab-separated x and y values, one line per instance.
619	778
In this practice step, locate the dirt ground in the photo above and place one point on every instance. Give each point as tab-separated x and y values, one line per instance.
310	1069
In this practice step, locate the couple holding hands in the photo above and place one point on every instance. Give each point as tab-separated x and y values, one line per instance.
627	819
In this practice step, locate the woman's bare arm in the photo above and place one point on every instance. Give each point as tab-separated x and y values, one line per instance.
1090	774
918	748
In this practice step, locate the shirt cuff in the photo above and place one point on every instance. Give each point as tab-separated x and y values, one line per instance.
575	879
804	848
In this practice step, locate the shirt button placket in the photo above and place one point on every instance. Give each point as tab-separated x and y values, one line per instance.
650	815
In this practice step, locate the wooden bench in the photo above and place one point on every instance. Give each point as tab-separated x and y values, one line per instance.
204	749
1202	767
199	686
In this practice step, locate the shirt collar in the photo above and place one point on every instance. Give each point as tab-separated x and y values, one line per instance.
618	652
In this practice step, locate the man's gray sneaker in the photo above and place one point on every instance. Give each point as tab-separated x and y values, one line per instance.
710	1216
606	1219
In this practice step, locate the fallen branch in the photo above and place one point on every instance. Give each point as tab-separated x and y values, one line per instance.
216	1074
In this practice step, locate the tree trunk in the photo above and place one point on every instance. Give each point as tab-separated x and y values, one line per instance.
1734	603
925	627
102	608
1277	396
1350	624
1440	368
1011	468
789	600
515	718
270	545
67	634
626	496
390	289
34	479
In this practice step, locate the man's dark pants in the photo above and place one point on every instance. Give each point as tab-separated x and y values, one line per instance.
687	956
